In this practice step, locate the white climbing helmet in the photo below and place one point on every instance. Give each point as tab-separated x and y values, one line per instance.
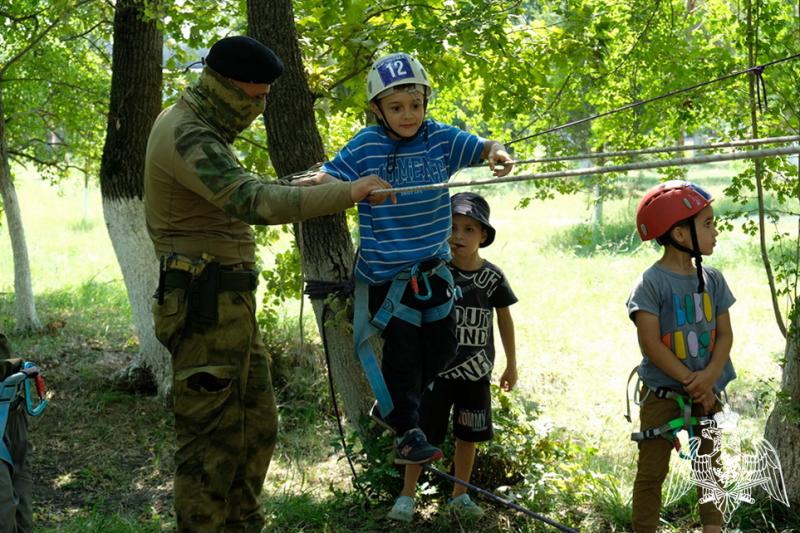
394	70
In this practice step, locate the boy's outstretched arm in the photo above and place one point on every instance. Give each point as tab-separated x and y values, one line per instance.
700	384
649	333
506	326
360	189
495	153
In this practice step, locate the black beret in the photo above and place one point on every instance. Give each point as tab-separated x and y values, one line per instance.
242	58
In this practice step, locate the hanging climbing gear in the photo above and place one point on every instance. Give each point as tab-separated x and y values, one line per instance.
14	388
365	327
670	429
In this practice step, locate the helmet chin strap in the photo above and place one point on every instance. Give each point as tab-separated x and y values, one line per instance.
385	123
695	253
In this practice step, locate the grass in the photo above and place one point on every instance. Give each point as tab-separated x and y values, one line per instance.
103	458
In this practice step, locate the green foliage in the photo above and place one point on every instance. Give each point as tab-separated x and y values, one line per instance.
611	501
54	79
373	451
532	461
528	461
616	236
284	281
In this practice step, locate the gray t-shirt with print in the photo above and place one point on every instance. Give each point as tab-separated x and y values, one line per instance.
688	320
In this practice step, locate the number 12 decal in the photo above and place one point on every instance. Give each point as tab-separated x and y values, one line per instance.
396	68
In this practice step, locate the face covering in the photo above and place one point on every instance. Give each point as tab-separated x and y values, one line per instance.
222	104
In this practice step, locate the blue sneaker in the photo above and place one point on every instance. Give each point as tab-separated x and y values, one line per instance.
464	506
413	449
402	510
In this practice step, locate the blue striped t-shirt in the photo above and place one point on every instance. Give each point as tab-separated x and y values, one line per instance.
396	236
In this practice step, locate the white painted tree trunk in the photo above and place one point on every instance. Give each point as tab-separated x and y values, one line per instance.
24	304
137	260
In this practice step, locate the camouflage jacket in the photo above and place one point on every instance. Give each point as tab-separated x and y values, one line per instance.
198	197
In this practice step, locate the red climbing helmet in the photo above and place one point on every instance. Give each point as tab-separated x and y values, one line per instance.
668	203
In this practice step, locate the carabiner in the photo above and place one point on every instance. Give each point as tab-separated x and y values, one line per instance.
34	410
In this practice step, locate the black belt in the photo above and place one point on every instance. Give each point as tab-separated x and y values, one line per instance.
237	281
430	266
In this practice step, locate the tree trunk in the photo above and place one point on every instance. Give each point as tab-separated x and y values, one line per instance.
295	145
783	424
24	304
135	104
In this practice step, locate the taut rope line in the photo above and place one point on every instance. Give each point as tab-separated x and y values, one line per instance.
698	160
758	69
658	150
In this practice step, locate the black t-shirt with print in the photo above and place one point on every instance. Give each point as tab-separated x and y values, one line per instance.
482	291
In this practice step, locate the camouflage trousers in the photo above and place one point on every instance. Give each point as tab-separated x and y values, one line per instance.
225	414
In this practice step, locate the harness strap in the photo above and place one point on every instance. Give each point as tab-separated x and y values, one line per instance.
364	328
636	399
8	393
670	430
10	399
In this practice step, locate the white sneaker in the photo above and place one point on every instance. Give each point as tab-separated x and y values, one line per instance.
403	509
464	506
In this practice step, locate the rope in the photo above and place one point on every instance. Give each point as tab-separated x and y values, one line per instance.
698	160
497	499
319	290
758	70
657	150
316	289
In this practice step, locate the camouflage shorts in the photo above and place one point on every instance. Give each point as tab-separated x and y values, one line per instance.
225	413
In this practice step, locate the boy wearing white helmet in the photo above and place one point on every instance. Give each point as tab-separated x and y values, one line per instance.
404	289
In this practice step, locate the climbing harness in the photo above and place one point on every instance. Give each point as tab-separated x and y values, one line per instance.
13	389
670	429
316	289
365	327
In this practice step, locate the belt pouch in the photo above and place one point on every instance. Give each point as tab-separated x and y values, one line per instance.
203	296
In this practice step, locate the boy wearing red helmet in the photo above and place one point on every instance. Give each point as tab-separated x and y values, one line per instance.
681	314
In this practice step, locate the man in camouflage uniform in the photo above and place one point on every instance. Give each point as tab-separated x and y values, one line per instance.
199	204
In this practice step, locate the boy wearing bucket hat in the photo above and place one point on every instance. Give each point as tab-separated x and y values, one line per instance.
684	330
463	387
404	291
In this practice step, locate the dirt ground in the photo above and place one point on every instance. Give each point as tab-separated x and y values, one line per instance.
96	448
